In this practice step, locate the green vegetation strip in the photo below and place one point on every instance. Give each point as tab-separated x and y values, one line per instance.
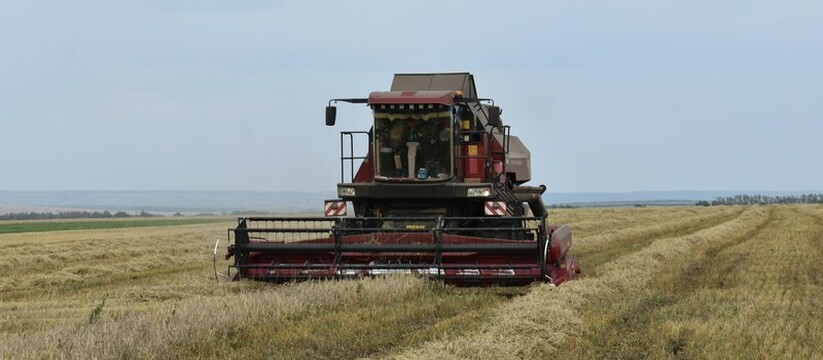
24	227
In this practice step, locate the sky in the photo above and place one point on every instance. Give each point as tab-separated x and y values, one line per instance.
216	95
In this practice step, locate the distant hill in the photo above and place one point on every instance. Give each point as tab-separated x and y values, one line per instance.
292	201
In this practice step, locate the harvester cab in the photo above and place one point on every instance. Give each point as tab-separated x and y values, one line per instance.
439	191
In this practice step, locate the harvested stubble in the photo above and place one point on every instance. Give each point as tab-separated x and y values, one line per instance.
535	325
760	296
587	222
148	293
659	283
204	326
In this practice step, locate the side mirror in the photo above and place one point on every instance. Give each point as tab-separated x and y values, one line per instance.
331	115
494	116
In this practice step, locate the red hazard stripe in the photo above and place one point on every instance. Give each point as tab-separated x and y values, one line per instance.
500	211
489	208
335	208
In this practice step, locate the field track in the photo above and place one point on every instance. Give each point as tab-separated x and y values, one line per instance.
680	282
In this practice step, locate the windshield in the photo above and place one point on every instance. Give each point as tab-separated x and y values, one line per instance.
413	144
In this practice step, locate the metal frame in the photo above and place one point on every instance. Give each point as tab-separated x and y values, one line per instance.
336	229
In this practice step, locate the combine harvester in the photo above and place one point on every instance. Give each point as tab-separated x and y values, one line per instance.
439	192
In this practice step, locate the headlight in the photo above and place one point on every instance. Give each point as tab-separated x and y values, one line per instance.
479	192
345	191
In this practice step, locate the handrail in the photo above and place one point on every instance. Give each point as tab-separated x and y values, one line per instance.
350	158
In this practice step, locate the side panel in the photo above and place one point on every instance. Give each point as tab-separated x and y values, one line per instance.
519	159
366	171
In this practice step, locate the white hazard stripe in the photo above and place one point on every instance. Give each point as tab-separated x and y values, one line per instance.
496	208
335	208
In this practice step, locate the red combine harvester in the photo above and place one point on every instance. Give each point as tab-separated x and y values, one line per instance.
439	192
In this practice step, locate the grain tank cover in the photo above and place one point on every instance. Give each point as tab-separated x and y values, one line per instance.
411	97
439	82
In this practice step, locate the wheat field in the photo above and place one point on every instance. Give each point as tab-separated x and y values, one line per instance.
678	282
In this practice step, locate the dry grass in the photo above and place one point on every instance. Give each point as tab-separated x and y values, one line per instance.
234	318
151	292
536	325
725	282
763	291
754	295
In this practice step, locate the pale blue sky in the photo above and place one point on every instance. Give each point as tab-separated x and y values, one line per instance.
609	96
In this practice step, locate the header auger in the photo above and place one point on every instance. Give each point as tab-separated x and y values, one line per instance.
439	192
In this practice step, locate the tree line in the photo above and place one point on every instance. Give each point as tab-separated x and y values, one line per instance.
763	200
71	215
